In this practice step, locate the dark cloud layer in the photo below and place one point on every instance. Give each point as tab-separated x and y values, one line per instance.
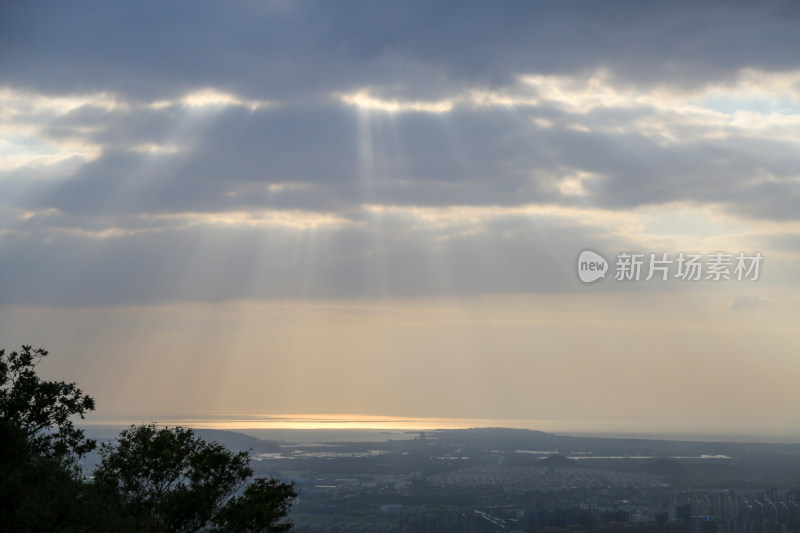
309	49
140	217
43	266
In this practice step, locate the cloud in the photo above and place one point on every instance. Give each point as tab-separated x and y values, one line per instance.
306	49
624	154
50	258
282	149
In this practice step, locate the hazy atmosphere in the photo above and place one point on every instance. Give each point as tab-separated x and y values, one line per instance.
374	211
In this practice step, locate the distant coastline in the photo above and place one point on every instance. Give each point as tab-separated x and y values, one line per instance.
307	426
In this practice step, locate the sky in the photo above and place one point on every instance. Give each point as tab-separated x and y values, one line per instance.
377	209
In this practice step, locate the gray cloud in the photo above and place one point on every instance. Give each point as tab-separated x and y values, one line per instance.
306	49
468	156
119	227
165	261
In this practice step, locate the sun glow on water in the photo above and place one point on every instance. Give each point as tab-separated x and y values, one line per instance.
774	430
234	421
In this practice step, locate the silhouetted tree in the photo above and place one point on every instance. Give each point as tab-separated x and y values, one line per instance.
40	484
262	507
42	409
154	480
171	477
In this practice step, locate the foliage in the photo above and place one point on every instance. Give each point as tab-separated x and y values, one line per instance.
154	480
36	492
263	506
171	477
39	446
42	409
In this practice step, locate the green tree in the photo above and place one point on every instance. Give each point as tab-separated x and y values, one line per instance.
154	480
262	507
40	483
41	410
169	478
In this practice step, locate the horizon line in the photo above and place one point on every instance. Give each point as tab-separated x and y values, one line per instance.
680	428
